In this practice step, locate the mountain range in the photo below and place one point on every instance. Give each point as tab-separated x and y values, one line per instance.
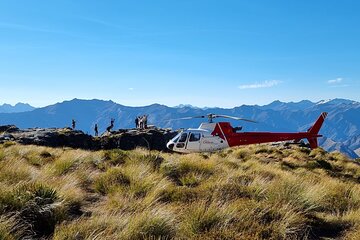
341	129
19	107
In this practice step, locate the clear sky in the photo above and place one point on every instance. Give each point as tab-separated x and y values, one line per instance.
204	53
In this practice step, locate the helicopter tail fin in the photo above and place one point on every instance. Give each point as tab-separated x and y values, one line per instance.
314	130
317	125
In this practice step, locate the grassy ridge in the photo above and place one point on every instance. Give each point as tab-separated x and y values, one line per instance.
253	192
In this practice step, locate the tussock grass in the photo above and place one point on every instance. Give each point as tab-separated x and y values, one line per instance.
154	160
181	194
101	227
115	156
14	172
36	158
252	192
235	187
111	158
2	154
264	149
142	178
158	223
317	153
242	153
111	179
188	169
202	217
8	144
340	197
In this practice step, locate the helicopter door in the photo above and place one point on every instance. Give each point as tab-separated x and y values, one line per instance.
194	142
182	140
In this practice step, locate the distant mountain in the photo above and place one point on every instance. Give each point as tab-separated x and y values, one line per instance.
330	145
277	105
19	107
337	101
341	129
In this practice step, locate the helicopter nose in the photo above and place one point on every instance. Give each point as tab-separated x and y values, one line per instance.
170	145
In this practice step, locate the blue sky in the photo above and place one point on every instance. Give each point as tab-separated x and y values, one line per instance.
204	53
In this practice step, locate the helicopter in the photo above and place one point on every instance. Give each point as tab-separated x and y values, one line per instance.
212	136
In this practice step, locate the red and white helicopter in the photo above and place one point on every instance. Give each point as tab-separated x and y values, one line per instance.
212	136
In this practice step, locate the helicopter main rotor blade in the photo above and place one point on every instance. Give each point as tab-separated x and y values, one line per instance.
236	118
210	116
184	118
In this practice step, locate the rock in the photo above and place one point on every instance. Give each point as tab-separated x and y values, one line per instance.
152	139
8	128
7	137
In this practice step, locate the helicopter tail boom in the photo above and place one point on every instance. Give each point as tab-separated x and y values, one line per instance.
226	132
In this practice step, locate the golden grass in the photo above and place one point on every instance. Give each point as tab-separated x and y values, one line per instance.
253	192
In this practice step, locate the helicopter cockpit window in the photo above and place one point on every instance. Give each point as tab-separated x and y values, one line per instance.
181	142
183	137
194	137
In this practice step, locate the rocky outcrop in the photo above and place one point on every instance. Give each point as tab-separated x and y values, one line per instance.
8	129
153	139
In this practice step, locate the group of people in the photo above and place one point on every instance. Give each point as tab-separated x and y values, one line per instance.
96	128
141	122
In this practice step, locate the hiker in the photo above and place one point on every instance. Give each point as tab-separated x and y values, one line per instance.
137	122
73	124
141	122
145	121
96	130
111	125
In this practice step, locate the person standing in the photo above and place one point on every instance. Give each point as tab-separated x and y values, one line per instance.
141	122
73	124
96	130
111	125
137	122
145	121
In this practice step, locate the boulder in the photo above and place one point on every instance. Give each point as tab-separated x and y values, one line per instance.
153	139
8	129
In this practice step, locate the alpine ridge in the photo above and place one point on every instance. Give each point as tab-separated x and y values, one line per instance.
341	129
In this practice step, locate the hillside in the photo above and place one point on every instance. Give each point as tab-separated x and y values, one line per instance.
341	128
253	192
